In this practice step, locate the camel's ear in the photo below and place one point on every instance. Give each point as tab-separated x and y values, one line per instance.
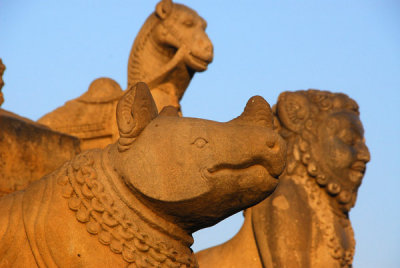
164	8
135	110
293	110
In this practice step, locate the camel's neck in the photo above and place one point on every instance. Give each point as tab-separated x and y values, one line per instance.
158	234
147	58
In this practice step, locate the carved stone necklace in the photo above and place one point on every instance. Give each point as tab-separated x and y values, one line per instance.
326	219
313	181
95	208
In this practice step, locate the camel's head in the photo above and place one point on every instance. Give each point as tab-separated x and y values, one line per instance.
182	27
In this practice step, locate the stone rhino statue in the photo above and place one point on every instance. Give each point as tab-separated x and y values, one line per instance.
137	202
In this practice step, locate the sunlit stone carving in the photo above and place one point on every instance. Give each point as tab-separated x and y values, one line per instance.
170	47
137	202
305	222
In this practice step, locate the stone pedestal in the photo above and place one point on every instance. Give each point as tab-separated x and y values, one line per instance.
28	151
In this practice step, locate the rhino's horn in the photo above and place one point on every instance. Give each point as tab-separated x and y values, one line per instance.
257	112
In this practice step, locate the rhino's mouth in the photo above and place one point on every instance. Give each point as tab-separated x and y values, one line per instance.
243	165
257	167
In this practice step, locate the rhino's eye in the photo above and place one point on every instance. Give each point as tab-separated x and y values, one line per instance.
200	142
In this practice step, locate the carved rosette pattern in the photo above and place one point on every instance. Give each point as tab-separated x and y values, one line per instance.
95	208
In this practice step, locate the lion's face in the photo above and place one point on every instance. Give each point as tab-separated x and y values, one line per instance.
340	151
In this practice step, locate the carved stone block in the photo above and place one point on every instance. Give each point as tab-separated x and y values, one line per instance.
29	150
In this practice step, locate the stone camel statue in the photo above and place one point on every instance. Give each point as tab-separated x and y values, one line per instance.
137	202
305	222
170	47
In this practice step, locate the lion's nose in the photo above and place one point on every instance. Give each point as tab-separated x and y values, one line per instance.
363	153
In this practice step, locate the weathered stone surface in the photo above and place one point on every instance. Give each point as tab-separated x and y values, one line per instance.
305	222
137	202
170	47
29	150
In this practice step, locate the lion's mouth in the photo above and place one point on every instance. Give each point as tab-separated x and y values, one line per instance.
359	166
357	172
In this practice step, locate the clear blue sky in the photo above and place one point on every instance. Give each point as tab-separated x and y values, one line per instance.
54	49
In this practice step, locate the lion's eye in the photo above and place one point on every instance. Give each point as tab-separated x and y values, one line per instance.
347	137
200	142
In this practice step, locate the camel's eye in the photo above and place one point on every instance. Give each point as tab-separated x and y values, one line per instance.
188	23
200	142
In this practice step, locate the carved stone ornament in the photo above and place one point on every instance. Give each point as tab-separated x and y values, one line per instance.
137	202
170	47
305	222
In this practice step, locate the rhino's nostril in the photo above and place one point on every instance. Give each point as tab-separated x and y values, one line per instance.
270	144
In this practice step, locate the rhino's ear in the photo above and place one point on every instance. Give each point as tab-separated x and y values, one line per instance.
164	8
135	110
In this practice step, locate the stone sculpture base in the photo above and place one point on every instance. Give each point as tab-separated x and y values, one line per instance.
29	150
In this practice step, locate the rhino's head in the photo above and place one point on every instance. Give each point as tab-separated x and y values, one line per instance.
181	27
196	172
